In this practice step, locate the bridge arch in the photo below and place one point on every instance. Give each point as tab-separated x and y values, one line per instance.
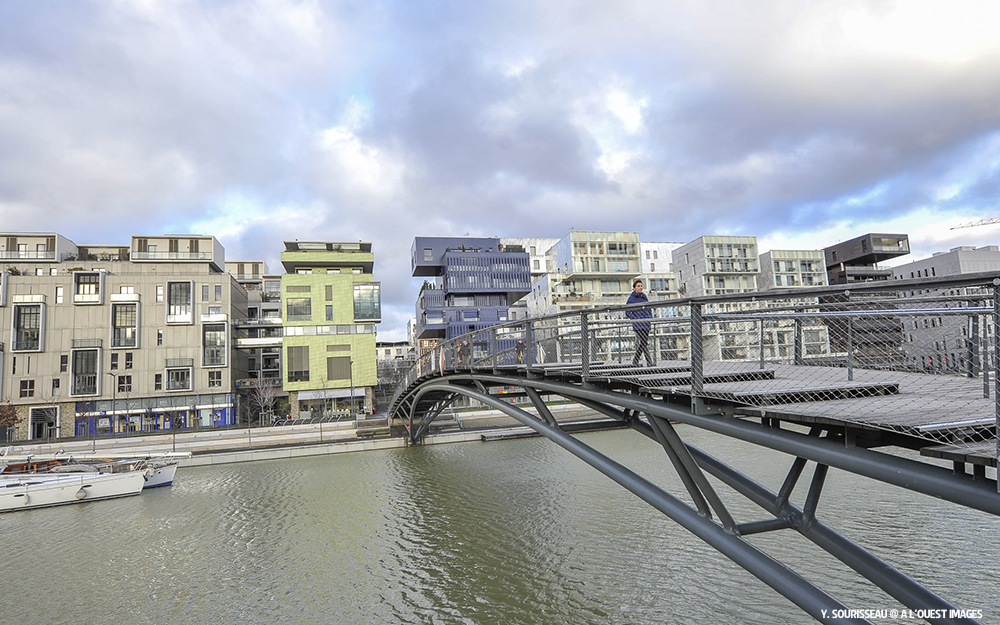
849	357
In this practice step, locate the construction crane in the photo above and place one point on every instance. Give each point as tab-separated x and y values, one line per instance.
981	222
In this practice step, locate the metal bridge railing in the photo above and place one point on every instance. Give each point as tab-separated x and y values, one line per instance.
927	348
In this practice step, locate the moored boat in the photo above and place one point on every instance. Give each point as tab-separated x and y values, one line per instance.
26	491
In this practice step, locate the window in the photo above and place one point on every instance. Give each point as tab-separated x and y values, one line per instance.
63	363
159	293
652	266
86	287
338	368
367	301
179	379
159	337
214	378
298	364
532	248
27	327
333	271
128	360
303	272
218	292
329	293
124	384
647	254
39	271
179	304
204	292
355	271
213	345
655	255
158	382
127	290
329	313
535	265
299	309
27	388
114	361
60	294
428	255
84	372
124	325
55	387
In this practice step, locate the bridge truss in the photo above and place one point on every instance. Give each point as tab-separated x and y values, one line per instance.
825	375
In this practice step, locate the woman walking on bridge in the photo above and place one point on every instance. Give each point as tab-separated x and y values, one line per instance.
642	328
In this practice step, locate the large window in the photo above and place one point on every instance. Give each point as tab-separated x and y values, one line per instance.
179	379
27	327
213	345
298	364
124	324
84	372
179	307
338	368
27	388
124	384
367	302
86	287
299	309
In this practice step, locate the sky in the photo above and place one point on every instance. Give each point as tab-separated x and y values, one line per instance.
260	121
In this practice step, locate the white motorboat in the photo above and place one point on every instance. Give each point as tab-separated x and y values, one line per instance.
159	470
22	492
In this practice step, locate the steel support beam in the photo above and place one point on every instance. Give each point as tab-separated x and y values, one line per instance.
789	584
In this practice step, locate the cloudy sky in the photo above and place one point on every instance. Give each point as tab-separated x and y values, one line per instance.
259	121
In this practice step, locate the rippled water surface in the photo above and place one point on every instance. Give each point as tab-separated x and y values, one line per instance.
511	532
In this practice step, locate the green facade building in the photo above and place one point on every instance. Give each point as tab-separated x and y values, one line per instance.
331	305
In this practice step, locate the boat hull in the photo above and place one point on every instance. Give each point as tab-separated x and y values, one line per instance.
161	475
38	491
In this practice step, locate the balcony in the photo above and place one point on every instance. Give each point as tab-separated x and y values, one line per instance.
27	255
253	343
171	256
258	321
215	318
250	383
85	343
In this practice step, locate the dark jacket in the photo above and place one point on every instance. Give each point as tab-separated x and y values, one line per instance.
639	313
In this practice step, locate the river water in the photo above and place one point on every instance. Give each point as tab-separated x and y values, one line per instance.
511	532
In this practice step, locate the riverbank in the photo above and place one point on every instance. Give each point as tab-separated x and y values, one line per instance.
225	446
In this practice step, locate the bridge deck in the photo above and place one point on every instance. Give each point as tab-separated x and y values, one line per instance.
935	408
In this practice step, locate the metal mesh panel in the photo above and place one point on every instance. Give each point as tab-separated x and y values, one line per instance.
918	362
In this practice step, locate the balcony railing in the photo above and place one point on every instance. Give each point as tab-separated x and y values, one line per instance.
171	256
26	255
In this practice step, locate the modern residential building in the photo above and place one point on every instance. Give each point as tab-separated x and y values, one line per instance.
791	268
111	338
856	260
589	269
656	257
475	281
259	336
540	260
942	343
331	306
714	265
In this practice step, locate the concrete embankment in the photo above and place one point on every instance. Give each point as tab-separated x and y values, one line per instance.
225	446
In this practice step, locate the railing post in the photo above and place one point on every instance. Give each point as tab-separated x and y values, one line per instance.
493	347
971	364
529	340
798	341
850	349
697	355
985	356
584	346
761	344
619	344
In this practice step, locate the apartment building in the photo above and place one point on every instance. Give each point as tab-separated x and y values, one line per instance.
475	281
942	342
540	262
856	260
715	265
588	269
332	304
791	268
106	339
259	337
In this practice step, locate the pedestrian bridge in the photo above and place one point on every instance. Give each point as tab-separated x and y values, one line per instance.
842	377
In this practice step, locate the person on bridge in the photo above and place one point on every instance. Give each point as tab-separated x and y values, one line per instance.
519	348
641	328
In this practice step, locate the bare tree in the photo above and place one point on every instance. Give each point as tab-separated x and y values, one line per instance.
9	417
263	394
